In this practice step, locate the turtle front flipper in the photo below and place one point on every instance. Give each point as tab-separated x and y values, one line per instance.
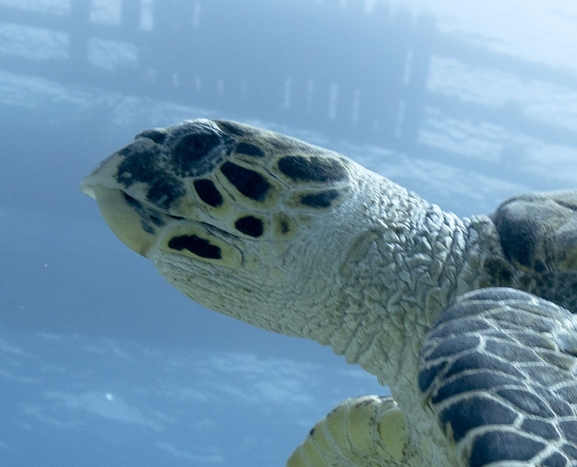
360	432
499	371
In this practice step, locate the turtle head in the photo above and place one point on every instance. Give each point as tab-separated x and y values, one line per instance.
243	220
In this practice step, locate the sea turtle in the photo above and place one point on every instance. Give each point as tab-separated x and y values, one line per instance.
465	320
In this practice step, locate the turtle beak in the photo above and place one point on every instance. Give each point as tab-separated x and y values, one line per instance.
135	224
122	218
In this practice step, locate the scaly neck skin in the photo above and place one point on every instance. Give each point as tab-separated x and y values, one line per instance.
411	260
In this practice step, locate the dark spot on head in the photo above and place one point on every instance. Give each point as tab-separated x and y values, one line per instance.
320	200
140	161
208	192
539	266
141	165
250	225
312	432
193	147
157	135
312	169
157	221
165	192
249	150
193	243
284	226
133	203
250	183
142	212
149	219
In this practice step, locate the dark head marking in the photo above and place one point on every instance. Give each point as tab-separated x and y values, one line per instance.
193	147
320	200
312	169
164	192
148	218
249	150
282	225
199	246
250	225
208	192
141	164
250	183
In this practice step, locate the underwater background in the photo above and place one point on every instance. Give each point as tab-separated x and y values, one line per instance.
102	363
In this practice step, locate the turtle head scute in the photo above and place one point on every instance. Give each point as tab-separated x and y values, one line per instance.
196	245
196	147
312	169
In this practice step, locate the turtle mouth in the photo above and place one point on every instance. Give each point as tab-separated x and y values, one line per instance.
136	225
146	230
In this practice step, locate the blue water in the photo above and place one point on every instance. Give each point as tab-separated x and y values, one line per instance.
104	364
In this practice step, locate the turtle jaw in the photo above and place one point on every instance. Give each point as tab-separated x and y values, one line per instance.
131	217
151	232
124	221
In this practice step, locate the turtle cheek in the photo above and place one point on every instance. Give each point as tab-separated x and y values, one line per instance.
126	222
